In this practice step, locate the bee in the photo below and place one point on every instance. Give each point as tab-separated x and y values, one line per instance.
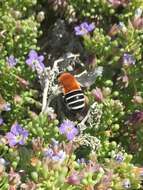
72	103
72	93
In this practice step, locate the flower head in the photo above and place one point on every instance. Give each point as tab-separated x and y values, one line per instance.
11	60
55	155
35	62
83	28
119	157
128	59
68	128
17	135
74	179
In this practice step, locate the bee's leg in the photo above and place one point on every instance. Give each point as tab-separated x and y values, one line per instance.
82	125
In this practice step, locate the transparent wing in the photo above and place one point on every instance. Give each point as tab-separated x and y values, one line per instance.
87	78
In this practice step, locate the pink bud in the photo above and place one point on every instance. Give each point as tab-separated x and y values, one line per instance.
74	179
138	23
97	93
17	99
117	3
24	83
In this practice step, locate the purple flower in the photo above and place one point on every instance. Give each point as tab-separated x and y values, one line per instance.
128	59
35	62
55	155
17	135
83	28
127	184
1	121
74	179
68	128
11	60
119	157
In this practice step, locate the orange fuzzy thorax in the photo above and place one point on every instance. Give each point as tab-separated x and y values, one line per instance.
68	82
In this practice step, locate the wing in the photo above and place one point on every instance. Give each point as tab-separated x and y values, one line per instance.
86	79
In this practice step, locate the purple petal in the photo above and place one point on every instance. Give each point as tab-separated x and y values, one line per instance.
62	128
15	129
25	133
91	27
84	25
29	62
70	136
33	54
11	61
84	28
11	139
75	131
22	141
81	33
41	58
77	29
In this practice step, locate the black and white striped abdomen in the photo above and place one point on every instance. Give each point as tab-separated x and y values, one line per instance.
75	100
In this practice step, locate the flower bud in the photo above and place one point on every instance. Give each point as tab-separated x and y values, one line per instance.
34	176
40	16
106	91
137	99
97	93
74	179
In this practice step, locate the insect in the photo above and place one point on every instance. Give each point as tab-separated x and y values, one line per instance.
72	92
72	103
